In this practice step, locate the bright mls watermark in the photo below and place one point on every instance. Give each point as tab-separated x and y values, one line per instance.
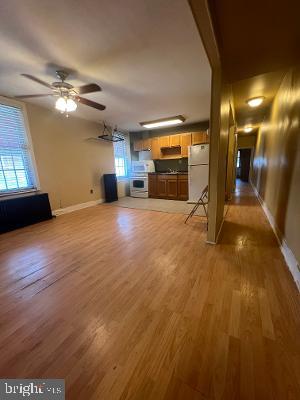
35	389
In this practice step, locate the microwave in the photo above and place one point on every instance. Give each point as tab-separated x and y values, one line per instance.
142	167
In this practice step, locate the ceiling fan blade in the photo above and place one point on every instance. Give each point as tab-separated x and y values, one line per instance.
90	103
28	96
89	88
33	78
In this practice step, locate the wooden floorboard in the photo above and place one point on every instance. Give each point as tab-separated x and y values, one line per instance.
132	304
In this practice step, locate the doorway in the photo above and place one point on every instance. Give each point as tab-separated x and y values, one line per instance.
243	164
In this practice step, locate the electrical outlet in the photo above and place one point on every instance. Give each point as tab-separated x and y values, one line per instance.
91	191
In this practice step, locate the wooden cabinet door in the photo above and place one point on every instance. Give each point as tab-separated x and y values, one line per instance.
138	145
152	185
183	187
155	149
174	140
147	144
199	137
162	188
172	188
164	141
185	141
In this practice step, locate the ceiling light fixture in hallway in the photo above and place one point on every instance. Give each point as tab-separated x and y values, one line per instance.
255	101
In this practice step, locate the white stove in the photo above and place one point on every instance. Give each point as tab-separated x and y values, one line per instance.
139	177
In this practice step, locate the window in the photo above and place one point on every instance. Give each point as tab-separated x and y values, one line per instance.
16	168
120	150
238	160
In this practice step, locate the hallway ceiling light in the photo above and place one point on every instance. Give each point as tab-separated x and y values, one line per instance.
248	129
178	119
255	101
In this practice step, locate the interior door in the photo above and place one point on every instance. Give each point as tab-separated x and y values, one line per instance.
245	157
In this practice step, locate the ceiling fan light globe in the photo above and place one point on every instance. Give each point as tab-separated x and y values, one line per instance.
61	104
71	105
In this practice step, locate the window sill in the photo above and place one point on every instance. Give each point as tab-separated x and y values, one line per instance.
18	194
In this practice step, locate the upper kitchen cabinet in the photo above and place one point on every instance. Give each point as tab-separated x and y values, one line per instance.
142	144
147	144
199	137
174	140
170	146
138	145
185	141
155	148
164	141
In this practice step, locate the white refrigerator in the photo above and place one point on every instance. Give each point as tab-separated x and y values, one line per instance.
198	161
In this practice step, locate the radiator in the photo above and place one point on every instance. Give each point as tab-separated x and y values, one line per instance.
25	210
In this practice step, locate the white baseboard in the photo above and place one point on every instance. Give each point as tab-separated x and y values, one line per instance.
288	255
76	207
210	242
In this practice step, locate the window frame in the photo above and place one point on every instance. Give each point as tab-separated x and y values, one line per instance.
126	159
15	103
238	159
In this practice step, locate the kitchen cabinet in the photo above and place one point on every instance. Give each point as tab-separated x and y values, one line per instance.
183	187
147	144
162	187
142	144
155	149
185	141
152	185
168	186
172	189
138	145
174	140
171	147
199	137
164	141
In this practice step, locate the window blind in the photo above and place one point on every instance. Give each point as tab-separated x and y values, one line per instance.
120	151
16	169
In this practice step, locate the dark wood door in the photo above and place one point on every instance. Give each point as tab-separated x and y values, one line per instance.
162	188
152	185
183	189
245	157
172	188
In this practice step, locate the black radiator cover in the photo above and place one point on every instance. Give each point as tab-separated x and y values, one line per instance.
110	187
25	210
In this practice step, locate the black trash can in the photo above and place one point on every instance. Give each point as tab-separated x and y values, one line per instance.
110	187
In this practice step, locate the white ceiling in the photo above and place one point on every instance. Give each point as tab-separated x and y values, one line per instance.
146	55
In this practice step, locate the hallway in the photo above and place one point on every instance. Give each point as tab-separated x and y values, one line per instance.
135	305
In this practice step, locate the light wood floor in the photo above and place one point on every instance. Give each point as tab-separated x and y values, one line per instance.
132	304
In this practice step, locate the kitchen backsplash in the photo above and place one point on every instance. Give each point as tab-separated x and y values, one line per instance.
180	165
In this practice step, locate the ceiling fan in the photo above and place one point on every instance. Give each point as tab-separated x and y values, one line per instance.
67	95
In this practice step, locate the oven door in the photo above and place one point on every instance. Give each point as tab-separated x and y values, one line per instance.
139	184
